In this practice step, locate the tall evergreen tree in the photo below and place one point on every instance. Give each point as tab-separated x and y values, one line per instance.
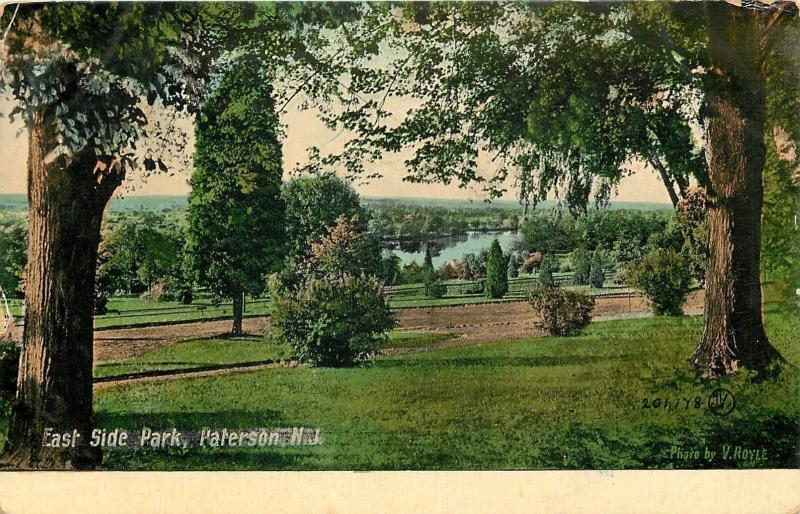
236	215
496	284
596	276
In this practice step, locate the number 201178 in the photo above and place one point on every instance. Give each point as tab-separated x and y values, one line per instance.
672	403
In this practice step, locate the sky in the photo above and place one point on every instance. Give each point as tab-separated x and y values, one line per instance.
304	129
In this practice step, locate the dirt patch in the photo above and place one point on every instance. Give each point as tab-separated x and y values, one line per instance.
477	324
126	343
514	320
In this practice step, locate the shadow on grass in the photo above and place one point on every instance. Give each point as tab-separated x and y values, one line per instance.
499	361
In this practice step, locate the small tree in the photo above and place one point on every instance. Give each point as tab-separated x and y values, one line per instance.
496	284
665	279
235	233
596	276
513	271
580	258
313	204
546	269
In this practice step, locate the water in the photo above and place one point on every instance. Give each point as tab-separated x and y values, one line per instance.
447	249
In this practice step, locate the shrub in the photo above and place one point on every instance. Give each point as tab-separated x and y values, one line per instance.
532	263
580	258
596	276
665	279
561	312
513	272
158	293
546	269
496	283
435	288
471	288
331	321
9	368
185	296
100	303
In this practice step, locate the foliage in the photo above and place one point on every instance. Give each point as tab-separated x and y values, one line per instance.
159	292
9	369
496	282
532	262
332	321
583	266
471	288
664	277
434	288
139	250
596	275
412	273
13	254
313	204
235	234
513	267
347	248
546	269
560	312
392	271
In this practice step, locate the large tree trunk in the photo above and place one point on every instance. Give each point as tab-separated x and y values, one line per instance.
65	207
238	302
734	335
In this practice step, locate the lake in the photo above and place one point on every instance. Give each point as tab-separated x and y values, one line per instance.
450	248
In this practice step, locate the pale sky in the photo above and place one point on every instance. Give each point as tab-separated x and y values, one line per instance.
303	129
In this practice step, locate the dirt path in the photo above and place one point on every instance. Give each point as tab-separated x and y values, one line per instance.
476	323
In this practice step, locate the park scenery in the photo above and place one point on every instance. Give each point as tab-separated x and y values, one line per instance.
387	236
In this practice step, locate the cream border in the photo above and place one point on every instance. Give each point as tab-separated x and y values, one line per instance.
619	492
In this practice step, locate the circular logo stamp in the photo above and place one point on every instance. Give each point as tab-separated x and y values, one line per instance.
721	402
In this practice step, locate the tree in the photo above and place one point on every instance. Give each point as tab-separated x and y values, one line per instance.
496	283
13	254
572	92
77	73
235	235
313	204
347	249
513	267
582	262
596	275
546	268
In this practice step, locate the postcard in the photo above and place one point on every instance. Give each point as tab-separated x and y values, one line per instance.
470	236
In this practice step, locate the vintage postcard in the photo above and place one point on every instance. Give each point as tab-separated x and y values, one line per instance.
290	236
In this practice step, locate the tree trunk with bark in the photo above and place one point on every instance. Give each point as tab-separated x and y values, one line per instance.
733	334
66	201
238	303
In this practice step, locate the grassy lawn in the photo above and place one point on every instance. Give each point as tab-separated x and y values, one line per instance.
543	403
410	339
195	354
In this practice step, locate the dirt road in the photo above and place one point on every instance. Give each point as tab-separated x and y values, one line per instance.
476	323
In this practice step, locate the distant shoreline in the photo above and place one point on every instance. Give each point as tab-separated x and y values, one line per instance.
18	202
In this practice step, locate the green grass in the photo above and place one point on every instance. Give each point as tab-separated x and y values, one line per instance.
200	353
542	403
196	354
410	339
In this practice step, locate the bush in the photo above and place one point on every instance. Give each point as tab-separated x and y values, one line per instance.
158	293
185	296
664	277
471	288
435	288
513	272
596	276
561	312
9	368
580	258
532	262
546	269
331	321
100	303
